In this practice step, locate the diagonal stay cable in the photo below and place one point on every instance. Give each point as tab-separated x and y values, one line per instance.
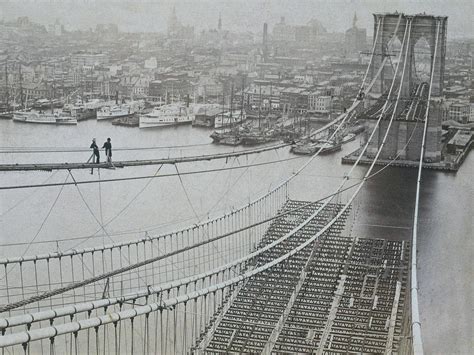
122	210
101	225
195	213
28	196
45	219
87	205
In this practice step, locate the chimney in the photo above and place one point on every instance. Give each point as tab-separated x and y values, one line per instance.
265	41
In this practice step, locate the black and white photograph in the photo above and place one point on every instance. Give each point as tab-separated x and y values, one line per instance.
236	177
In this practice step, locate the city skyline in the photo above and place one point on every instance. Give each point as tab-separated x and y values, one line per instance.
237	15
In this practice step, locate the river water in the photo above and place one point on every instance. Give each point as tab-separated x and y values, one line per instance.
386	203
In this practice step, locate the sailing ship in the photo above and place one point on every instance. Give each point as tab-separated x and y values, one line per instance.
229	118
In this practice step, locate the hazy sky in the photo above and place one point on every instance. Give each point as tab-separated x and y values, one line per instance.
146	15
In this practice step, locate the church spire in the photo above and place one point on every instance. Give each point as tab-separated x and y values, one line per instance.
354	20
219	24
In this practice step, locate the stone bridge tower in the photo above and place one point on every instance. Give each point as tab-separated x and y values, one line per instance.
422	27
404	139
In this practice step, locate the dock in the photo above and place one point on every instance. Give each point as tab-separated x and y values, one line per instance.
450	163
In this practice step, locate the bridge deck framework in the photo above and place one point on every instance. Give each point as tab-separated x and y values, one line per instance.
352	298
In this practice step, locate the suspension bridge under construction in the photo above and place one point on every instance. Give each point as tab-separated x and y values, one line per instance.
277	275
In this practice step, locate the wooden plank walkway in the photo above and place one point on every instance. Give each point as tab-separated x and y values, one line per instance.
131	163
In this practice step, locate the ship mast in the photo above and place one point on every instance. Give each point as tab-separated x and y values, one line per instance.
52	91
270	100
259	103
223	103
6	84
21	84
231	102
242	100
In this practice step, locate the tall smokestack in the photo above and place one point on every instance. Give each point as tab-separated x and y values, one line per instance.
265	41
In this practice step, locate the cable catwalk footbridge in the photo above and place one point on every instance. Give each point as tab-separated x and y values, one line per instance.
277	275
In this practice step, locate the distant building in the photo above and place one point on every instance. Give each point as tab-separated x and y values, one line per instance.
294	100
300	35
459	111
88	59
207	87
355	39
319	103
176	30
169	88
151	63
23	21
263	96
140	87
56	29
107	29
219	24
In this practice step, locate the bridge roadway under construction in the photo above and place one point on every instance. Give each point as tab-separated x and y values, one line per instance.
290	276
341	294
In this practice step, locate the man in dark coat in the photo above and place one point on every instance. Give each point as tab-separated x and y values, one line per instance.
108	150
95	153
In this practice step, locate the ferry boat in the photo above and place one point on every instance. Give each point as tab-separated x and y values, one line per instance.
79	111
167	115
118	110
59	118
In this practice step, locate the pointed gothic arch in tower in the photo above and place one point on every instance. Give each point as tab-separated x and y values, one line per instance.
422	26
